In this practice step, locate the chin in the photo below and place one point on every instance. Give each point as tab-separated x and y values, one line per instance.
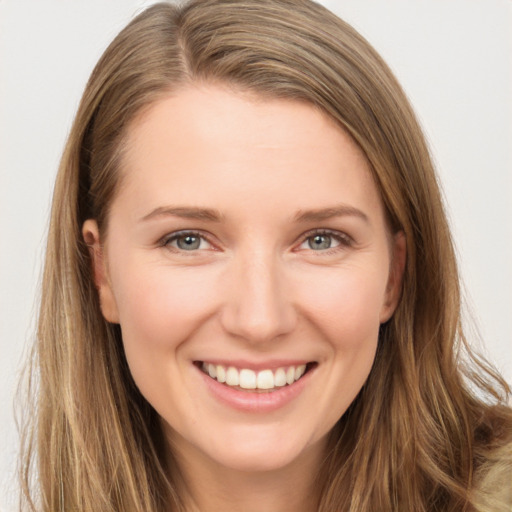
263	452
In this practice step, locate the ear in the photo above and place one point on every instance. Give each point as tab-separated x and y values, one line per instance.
396	273
108	305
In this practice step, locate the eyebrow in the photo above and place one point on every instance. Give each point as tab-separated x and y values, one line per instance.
212	215
322	214
184	212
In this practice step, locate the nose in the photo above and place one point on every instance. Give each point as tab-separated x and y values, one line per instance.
258	306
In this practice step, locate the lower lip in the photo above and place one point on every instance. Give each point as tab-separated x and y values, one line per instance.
248	401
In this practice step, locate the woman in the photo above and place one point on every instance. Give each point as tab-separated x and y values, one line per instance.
250	298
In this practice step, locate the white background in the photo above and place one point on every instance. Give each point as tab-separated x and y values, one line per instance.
454	58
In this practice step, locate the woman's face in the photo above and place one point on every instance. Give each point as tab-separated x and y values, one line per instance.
248	243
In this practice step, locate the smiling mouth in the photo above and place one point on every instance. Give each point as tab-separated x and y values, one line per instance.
245	379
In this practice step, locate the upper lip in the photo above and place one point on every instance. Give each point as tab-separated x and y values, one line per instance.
273	364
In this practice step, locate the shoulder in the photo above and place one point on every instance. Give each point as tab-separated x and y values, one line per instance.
493	480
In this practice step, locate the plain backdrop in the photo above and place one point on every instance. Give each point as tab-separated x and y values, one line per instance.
453	57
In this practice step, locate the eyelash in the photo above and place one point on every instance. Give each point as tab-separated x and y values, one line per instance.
166	240
343	240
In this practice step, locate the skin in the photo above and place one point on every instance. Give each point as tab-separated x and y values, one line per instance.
254	290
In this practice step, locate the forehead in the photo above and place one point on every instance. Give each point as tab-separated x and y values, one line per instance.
205	139
218	113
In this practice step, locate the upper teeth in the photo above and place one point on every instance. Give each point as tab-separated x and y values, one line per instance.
249	379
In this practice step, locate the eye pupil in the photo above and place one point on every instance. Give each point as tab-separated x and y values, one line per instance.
188	242
319	242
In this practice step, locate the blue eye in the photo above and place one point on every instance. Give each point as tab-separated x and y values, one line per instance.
321	242
186	241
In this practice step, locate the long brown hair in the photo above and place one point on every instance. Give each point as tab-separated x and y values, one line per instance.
432	417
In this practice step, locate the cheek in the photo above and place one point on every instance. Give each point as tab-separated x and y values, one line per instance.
160	307
346	304
347	315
